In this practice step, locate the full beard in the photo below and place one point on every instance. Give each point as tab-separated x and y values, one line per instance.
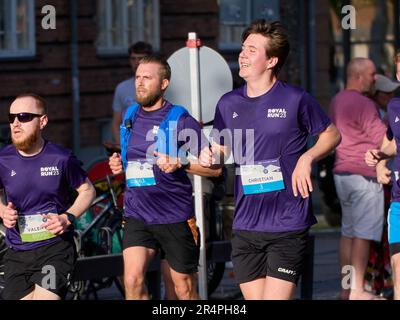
149	100
26	144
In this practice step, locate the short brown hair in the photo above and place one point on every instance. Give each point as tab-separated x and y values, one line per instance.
40	102
397	56
278	44
165	69
141	47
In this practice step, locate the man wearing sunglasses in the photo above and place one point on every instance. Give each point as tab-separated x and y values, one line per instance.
124	95
35	179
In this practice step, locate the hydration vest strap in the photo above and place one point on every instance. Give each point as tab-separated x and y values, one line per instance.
166	139
126	130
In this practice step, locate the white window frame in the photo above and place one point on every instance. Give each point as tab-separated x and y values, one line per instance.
108	49
15	52
232	45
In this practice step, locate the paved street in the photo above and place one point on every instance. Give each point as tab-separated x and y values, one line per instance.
326	281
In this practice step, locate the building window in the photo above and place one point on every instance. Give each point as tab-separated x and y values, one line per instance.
17	28
236	15
123	22
374	37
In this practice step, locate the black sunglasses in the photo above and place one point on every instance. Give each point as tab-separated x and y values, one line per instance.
23	116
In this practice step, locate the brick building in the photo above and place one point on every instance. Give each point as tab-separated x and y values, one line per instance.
35	59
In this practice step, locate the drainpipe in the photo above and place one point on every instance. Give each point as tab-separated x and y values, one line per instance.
311	63
75	78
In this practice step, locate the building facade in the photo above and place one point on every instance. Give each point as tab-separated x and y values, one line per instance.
74	52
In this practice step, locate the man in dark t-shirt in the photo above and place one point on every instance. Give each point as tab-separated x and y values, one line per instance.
265	124
35	178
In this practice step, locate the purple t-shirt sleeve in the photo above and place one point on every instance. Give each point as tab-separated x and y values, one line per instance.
218	127
1	171
311	115
74	173
389	135
191	136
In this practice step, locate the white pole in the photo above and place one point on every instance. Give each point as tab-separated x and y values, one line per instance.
198	187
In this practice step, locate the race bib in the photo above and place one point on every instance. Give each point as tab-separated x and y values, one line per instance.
31	230
139	173
261	177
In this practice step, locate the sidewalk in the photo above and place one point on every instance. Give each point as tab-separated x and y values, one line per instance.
326	282
326	265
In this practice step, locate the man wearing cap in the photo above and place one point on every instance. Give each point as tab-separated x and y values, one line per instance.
360	195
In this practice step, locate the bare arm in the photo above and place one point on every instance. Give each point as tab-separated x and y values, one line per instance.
382	156
195	168
383	173
115	163
387	150
2	202
57	224
7	211
389	147
328	140
86	195
214	157
301	177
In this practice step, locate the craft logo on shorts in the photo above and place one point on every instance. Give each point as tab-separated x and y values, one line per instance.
49	171
292	272
276	113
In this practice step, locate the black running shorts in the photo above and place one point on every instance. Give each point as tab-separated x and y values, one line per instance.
394	248
49	267
179	241
259	254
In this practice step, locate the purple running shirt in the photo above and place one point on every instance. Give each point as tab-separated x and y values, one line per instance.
394	132
38	184
170	199
282	119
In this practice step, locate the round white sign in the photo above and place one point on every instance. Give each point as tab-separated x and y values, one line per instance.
215	80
